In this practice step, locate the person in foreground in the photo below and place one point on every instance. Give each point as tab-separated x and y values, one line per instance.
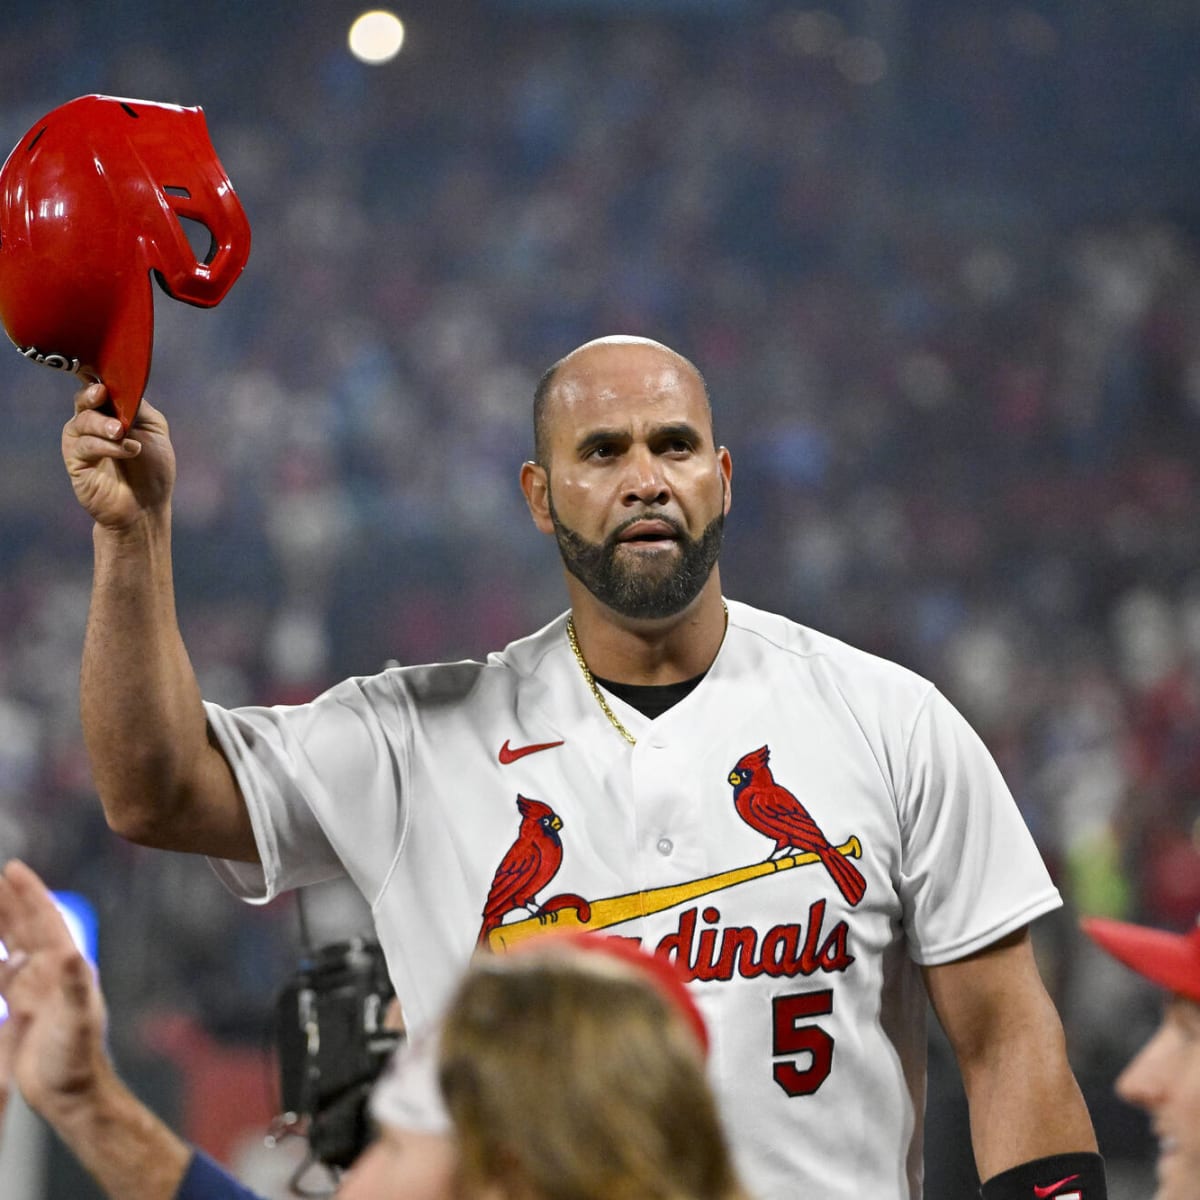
574	1068
1164	1077
814	834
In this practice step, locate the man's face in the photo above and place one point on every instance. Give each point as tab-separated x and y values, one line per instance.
633	487
1164	1079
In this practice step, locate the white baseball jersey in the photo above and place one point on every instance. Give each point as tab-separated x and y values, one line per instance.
448	792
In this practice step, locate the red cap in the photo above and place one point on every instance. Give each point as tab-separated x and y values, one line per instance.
89	204
1172	960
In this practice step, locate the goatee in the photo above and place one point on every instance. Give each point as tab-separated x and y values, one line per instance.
641	585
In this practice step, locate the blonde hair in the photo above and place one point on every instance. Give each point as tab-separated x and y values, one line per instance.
569	1077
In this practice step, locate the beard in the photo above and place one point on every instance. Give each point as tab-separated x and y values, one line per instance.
641	585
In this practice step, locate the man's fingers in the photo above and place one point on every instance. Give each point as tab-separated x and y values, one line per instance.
45	975
95	424
77	982
92	449
8	972
27	982
41	913
91	396
10	918
90	436
29	909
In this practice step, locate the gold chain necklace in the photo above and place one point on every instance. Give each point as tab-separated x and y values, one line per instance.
614	720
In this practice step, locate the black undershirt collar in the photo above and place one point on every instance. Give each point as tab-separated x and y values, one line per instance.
651	699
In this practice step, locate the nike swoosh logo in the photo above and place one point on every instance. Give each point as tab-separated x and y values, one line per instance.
508	755
1042	1192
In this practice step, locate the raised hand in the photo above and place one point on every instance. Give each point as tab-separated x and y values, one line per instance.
117	479
52	1045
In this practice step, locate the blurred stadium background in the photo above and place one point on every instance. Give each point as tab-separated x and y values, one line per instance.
939	262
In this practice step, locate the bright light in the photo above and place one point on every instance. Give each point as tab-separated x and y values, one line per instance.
376	36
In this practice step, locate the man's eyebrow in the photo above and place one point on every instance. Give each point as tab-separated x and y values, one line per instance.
680	429
601	437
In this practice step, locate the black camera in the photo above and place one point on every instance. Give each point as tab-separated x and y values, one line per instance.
333	1043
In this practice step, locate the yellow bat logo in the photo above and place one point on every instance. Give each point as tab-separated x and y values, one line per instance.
613	910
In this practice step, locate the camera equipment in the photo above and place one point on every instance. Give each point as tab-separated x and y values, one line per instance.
332	1046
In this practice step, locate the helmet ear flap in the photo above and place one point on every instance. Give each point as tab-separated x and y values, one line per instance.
199	194
125	373
93	200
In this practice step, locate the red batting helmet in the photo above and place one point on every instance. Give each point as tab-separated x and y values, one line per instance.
89	204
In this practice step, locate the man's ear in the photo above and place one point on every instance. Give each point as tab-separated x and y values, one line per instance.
535	484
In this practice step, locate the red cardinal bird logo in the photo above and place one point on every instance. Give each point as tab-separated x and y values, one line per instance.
772	810
531	862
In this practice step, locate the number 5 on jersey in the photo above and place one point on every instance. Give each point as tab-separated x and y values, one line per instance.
794	1033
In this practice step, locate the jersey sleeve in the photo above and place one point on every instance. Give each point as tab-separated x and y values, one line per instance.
322	783
204	1180
970	872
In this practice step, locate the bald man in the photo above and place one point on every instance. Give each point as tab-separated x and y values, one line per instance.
814	835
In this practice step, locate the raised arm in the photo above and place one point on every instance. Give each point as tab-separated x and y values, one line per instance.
162	780
1024	1103
52	1048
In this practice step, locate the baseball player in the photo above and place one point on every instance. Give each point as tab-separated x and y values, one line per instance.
814	833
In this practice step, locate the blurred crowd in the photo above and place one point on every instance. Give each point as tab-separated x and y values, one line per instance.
938	263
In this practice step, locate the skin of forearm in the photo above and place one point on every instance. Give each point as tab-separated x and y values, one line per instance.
140	703
1024	1101
129	1152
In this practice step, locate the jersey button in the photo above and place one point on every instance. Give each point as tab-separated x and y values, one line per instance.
665	846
